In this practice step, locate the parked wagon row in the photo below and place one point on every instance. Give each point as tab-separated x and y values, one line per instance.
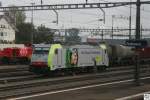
51	57
117	54
55	57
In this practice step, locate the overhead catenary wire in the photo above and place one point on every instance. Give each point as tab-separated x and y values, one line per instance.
105	1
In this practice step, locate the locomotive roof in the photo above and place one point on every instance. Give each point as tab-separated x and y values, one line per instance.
77	45
82	43
41	45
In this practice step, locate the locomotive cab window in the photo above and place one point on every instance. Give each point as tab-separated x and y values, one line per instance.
41	50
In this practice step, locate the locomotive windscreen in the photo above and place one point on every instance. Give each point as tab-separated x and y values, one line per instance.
41	50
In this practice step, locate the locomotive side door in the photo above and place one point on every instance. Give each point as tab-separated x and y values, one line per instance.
105	59
58	55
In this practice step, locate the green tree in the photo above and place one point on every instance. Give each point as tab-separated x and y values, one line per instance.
23	35
73	36
43	35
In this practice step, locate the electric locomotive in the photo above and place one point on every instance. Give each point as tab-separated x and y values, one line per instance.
57	57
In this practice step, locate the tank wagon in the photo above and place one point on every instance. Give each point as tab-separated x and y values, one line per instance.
52	57
120	55
124	55
55	57
144	54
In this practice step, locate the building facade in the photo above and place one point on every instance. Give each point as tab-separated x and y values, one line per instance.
7	30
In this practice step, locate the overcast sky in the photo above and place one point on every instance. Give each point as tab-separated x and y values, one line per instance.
86	18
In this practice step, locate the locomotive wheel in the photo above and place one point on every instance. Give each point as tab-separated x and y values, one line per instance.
89	69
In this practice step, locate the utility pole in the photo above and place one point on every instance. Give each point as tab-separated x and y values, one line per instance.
56	16
113	25
32	24
130	21
137	37
65	35
41	2
102	35
86	1
103	14
138	4
141	31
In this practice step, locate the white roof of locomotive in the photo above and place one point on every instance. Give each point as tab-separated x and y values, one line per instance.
41	45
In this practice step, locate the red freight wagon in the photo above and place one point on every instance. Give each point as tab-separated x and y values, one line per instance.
1	55
15	55
144	54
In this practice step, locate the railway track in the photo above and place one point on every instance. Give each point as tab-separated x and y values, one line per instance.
19	74
12	72
14	87
13	68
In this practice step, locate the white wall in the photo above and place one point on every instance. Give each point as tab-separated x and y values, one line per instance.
2	46
7	32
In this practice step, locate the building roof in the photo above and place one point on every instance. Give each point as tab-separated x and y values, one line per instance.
10	21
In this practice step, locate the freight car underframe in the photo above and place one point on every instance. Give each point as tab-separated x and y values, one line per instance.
69	70
15	60
127	61
121	61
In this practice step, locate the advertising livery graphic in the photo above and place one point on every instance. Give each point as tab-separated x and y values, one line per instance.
72	57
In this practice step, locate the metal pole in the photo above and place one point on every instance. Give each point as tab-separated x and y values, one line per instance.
66	35
32	24
130	21
86	1
103	14
56	16
41	2
95	65
137	70
141	32
102	35
112	25
137	37
138	4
